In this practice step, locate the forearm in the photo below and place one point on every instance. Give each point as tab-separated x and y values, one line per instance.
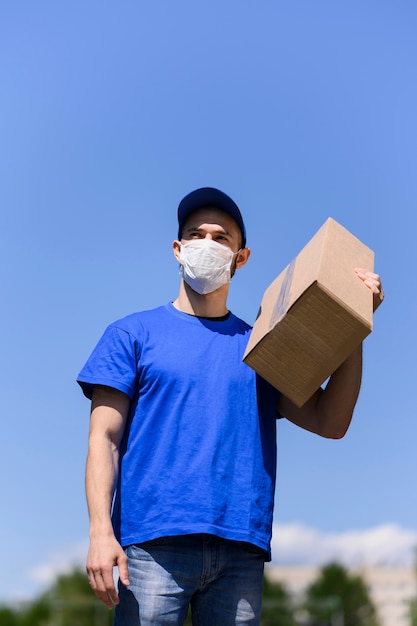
329	411
105	551
101	476
337	402
109	410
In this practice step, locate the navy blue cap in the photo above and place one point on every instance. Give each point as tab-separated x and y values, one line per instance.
209	197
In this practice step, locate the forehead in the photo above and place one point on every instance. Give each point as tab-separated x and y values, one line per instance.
214	217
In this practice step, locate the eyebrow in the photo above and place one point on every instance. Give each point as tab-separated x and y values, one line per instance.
221	231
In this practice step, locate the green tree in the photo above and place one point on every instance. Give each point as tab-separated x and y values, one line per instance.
277	608
72	602
413	603
68	602
413	612
338	597
8	617
38	613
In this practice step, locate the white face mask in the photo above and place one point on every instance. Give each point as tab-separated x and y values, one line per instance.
205	264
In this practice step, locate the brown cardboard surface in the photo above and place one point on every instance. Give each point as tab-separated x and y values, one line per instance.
313	315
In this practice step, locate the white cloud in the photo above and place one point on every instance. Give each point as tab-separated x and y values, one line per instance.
388	545
60	563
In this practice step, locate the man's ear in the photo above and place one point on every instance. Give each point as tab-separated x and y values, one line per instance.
176	247
242	258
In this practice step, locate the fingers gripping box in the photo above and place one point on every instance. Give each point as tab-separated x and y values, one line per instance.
313	315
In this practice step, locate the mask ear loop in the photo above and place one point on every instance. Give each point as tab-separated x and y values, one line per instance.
233	262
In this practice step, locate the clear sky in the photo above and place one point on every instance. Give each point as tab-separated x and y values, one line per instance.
109	114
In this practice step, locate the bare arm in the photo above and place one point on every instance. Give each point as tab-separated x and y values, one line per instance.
109	410
329	411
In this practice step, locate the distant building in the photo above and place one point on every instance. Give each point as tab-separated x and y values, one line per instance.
390	588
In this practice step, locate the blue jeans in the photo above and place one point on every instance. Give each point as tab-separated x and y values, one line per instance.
221	580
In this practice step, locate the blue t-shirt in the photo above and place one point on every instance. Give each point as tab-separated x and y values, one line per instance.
199	451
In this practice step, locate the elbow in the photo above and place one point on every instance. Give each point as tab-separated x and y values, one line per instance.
337	426
339	434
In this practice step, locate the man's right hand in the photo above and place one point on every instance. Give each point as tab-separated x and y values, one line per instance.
103	556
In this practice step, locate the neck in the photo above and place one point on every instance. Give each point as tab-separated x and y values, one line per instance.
207	305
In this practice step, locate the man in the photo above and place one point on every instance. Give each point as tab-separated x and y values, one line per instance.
181	464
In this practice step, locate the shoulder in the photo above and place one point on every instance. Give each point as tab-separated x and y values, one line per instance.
135	322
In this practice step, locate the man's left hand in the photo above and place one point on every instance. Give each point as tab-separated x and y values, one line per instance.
372	281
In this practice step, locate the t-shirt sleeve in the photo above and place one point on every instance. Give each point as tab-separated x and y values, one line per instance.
112	363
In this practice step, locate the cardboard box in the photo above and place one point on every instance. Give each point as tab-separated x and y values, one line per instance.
313	315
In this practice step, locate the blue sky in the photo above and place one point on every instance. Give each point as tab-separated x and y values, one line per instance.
109	114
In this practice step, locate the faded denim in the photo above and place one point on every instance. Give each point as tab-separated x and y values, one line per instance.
221	580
